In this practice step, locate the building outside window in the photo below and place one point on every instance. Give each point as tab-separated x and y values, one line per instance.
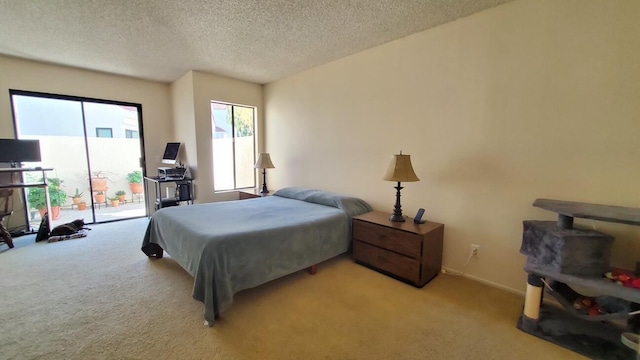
104	132
131	134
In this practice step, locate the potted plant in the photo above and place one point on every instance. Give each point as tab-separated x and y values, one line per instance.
121	194
100	197
82	205
135	181
77	197
115	201
57	197
98	181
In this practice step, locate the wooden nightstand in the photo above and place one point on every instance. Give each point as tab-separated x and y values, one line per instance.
406	251
252	193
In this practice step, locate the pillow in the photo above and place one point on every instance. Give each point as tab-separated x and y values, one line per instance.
351	205
298	193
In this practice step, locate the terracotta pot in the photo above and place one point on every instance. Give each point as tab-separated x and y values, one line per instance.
135	188
99	184
76	200
121	198
82	206
55	212
100	198
115	203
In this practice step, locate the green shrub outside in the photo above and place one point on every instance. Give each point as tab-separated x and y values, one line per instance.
57	196
135	177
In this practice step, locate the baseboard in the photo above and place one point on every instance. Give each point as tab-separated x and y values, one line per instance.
483	281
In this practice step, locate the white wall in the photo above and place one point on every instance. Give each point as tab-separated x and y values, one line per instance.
184	119
209	87
33	76
66	155
534	98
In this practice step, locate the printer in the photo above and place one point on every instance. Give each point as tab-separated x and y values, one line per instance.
170	173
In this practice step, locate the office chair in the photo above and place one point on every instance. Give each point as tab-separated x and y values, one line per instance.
6	209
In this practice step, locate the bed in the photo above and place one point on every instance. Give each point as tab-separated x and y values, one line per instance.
235	245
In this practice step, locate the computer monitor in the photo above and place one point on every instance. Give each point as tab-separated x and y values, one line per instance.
15	151
171	153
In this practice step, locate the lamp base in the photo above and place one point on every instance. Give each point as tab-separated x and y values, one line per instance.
397	209
264	182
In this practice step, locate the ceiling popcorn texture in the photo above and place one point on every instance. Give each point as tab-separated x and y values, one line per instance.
254	40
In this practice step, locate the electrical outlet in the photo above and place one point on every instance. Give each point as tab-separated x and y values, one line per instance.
475	248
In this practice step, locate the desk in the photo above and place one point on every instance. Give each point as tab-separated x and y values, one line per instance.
184	191
15	182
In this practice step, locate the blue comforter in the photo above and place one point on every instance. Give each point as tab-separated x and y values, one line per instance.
236	245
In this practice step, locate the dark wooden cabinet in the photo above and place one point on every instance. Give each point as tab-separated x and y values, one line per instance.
404	250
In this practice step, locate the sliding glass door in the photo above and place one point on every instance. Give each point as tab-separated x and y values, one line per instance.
95	149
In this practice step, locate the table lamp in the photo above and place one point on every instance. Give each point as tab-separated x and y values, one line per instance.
264	162
400	170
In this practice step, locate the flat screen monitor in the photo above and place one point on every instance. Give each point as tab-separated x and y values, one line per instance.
171	153
15	151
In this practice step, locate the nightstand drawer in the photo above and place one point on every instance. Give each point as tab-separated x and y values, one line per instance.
390	262
244	195
389	238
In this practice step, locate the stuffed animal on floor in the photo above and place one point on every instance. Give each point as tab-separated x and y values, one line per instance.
69	228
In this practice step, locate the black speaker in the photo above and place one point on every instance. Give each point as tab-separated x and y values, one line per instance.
184	192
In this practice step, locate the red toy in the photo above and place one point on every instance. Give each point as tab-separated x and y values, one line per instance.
623	277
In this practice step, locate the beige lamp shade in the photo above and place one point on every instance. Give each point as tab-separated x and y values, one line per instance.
264	162
400	169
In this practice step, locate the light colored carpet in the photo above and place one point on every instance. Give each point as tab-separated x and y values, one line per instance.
99	297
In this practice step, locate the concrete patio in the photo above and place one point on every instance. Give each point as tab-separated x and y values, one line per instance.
104	212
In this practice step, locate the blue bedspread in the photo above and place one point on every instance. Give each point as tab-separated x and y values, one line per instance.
236	245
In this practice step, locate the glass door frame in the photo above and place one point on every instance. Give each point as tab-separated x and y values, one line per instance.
82	100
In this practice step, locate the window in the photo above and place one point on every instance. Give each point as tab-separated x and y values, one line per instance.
233	146
104	132
131	134
90	134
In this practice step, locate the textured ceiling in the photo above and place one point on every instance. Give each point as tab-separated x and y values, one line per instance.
253	40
